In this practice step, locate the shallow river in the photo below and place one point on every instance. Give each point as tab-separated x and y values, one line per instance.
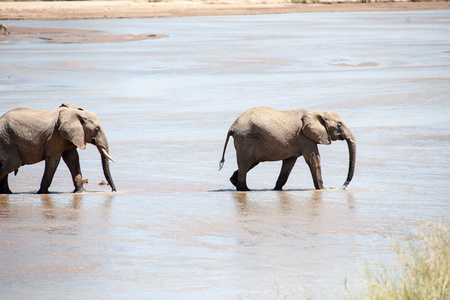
176	229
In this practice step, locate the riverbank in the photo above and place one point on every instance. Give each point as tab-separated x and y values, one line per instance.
135	9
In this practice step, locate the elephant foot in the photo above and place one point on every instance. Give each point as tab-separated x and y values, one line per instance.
242	187
4	187
79	190
233	179
5	191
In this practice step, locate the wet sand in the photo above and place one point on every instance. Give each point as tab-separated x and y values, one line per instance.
132	9
64	35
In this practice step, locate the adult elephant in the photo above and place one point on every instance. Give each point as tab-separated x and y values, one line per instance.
266	134
28	136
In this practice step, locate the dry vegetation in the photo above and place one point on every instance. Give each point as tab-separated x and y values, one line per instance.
423	271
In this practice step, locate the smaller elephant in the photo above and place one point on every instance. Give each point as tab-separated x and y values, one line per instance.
265	134
4	29
28	136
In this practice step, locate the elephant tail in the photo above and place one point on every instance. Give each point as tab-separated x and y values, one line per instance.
221	163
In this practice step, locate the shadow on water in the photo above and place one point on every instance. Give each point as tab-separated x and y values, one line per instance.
260	190
275	191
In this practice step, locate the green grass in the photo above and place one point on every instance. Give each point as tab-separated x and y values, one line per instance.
423	272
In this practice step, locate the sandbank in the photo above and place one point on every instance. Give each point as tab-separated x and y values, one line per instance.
148	9
62	10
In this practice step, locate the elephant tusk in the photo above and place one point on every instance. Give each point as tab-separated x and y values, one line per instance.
106	154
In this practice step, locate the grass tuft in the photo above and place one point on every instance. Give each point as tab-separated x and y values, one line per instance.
423	272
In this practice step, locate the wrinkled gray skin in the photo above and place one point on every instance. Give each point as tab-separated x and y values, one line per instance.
28	136
266	134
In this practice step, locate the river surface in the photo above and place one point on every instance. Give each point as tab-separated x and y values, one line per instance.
176	229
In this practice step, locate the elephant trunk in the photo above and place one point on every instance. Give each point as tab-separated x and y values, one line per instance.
105	165
352	158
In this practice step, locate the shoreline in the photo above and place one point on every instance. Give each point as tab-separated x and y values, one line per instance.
65	10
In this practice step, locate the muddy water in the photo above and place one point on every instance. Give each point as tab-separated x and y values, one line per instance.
175	228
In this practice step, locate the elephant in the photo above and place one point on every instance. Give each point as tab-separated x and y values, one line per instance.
5	29
28	136
265	134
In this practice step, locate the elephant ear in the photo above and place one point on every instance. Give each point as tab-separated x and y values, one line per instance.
70	127
314	127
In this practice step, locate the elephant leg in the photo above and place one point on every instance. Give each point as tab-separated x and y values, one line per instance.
4	187
286	169
51	164
234	178
72	161
241	184
7	166
312	158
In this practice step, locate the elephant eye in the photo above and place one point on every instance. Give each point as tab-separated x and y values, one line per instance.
339	124
97	129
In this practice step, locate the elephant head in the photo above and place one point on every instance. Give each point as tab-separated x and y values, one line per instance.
81	127
326	126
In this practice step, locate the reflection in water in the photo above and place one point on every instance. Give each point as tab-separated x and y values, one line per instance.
51	211
294	231
315	203
350	200
73	211
4	206
280	201
241	202
107	206
77	201
286	200
47	203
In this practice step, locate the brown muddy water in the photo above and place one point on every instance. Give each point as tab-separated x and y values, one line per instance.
176	229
